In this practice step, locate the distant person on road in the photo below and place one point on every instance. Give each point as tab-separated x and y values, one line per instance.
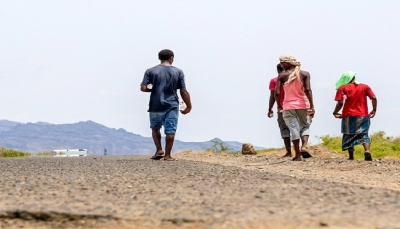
355	116
163	81
285	132
297	103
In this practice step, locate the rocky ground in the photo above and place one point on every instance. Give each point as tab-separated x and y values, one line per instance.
200	191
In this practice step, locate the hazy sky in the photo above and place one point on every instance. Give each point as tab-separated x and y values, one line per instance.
76	60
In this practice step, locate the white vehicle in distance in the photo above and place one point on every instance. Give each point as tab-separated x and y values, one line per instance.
70	153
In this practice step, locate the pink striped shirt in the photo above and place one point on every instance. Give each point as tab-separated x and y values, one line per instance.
295	97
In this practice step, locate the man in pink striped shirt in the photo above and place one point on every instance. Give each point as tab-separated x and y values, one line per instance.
298	99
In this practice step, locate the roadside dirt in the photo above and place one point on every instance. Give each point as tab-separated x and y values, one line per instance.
200	191
325	165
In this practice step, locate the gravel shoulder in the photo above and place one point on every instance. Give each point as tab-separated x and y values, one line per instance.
324	166
199	191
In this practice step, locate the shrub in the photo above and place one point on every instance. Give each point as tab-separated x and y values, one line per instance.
218	147
45	154
381	145
13	153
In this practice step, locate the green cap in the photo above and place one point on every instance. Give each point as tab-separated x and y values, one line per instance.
346	78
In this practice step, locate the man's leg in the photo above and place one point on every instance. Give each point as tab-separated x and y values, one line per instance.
356	139
156	134
169	142
296	146
170	126
348	144
351	153
304	132
292	123
285	134
304	142
367	154
304	147
155	125
288	147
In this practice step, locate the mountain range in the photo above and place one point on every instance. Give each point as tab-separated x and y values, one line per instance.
42	136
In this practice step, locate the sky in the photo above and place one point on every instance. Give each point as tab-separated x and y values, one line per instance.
78	60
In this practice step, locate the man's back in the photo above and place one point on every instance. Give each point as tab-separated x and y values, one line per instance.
166	79
355	96
295	97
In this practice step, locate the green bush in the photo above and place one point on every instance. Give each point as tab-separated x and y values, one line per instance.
218	147
13	153
381	145
44	154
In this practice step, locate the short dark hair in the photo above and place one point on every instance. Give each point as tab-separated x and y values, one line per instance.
279	67
165	54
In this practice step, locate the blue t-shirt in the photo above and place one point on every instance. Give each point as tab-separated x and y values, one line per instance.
165	80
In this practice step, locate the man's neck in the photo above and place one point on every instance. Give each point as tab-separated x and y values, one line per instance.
165	63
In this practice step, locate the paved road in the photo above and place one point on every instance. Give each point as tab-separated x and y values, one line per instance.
135	192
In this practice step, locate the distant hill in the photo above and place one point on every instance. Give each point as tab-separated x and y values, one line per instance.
41	136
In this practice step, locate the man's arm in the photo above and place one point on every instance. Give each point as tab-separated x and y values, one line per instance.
144	88
374	106
338	107
339	97
271	103
186	98
278	92
372	96
308	91
146	82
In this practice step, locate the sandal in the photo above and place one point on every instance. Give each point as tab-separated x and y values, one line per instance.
305	154
157	157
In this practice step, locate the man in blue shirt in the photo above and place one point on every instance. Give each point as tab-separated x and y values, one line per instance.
163	81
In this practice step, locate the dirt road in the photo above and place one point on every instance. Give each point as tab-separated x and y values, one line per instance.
199	191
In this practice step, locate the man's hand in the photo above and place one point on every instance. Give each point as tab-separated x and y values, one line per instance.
186	111
337	115
311	113
280	108
338	107
270	113
372	114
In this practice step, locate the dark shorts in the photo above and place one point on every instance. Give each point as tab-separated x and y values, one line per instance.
167	119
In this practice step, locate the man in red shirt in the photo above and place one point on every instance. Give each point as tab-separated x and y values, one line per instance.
285	132
355	116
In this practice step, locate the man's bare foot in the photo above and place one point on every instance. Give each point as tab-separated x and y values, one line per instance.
287	155
297	158
169	159
351	159
303	148
158	155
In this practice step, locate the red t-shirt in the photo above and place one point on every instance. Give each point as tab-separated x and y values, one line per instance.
272	86
355	99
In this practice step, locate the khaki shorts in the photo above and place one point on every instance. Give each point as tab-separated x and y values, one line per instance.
296	121
285	132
